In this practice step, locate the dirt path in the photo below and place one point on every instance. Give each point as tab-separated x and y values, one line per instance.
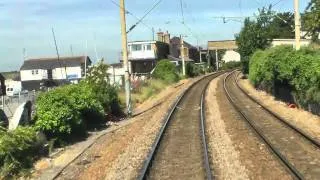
303	119
236	152
119	154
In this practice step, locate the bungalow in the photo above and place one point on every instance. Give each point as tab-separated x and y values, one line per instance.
36	73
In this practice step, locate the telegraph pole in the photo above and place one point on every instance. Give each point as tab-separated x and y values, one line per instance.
297	23
182	56
125	55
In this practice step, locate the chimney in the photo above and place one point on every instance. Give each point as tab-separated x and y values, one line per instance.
160	36
167	37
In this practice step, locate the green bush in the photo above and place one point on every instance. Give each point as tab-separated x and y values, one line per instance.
57	115
18	150
165	70
283	65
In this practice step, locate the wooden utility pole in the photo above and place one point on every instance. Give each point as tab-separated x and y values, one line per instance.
125	55
182	56
297	23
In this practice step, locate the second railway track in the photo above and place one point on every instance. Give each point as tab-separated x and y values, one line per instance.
180	151
300	154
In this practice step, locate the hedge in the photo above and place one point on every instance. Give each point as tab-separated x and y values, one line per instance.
283	65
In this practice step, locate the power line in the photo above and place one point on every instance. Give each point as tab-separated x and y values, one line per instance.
131	14
145	15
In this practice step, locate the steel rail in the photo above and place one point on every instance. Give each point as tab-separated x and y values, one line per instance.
148	162
283	159
203	133
313	140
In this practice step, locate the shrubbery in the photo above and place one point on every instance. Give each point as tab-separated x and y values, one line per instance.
18	149
165	70
193	70
283	65
66	110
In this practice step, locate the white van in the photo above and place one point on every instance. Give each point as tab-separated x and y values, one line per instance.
13	88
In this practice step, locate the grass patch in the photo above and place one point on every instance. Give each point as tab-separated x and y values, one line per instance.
147	89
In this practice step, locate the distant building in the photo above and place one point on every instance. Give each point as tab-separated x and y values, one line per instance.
229	46
191	52
116	74
35	73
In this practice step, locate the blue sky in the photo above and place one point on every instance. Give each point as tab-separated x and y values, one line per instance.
27	24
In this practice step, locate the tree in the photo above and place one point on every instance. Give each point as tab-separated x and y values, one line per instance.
252	36
312	19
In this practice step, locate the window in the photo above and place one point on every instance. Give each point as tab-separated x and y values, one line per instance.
136	47
148	47
35	72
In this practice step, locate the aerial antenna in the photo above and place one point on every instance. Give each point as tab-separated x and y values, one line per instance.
24	52
71	49
57	51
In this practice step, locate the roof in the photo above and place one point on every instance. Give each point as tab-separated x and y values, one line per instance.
116	65
179	59
176	41
51	63
225	44
142	42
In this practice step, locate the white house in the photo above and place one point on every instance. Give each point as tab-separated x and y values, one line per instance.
143	55
35	73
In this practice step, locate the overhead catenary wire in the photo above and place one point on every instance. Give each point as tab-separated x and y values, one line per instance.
131	14
140	20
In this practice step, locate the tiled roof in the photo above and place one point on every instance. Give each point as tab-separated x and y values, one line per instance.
51	63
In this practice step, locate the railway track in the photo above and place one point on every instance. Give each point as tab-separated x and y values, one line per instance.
180	150
297	151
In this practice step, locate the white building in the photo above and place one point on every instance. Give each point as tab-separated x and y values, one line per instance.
35	73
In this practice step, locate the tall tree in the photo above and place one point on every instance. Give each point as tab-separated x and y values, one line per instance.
253	36
258	34
312	19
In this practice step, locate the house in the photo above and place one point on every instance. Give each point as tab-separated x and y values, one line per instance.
143	55
36	73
